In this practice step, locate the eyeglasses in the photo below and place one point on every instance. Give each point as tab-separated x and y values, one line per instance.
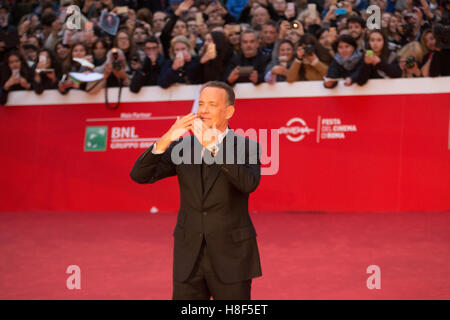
123	39
151	48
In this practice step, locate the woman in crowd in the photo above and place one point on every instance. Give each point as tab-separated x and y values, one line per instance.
311	61
233	33
428	42
47	72
183	66
394	38
79	50
15	76
99	50
346	63
277	69
62	52
379	61
410	57
214	54
123	41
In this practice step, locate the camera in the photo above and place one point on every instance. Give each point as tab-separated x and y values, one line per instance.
116	64
295	25
309	49
410	61
408	29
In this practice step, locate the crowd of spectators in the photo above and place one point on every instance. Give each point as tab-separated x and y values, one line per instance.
163	42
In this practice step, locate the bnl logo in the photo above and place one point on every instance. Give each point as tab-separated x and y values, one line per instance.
95	138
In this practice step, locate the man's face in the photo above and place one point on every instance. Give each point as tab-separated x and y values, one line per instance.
213	108
215	18
355	29
261	16
159	20
249	45
269	34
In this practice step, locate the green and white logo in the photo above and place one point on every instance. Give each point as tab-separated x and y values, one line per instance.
95	139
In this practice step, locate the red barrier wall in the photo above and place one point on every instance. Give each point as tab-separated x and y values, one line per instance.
382	147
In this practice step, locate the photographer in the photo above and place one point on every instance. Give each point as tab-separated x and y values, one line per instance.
346	64
123	41
153	62
311	61
183	67
409	60
248	65
379	61
114	72
47	72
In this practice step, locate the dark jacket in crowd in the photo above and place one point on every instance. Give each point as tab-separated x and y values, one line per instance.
148	75
336	71
382	70
166	34
189	73
259	63
24	72
45	83
440	63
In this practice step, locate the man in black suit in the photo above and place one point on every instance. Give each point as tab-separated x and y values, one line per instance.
215	249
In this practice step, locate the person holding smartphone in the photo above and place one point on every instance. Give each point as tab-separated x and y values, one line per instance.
215	249
151	69
379	61
47	72
248	66
15	76
214	56
183	67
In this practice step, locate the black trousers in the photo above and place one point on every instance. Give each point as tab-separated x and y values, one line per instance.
204	283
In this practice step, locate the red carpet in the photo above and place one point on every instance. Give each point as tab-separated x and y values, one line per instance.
304	255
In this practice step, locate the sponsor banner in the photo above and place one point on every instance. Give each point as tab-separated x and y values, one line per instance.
323	153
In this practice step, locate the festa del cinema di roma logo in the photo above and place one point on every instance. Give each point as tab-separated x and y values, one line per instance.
297	129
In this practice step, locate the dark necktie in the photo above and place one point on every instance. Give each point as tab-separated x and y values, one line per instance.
205	168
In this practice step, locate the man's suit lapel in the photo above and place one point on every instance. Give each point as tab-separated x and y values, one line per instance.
214	169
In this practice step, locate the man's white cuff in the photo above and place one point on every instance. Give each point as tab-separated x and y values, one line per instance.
154	151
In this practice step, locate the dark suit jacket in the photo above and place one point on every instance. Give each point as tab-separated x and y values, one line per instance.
220	213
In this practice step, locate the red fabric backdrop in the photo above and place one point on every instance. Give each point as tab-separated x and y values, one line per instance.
358	153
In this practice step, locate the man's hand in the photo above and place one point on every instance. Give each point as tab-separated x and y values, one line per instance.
234	75
348	82
205	134
184	6
254	76
179	128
